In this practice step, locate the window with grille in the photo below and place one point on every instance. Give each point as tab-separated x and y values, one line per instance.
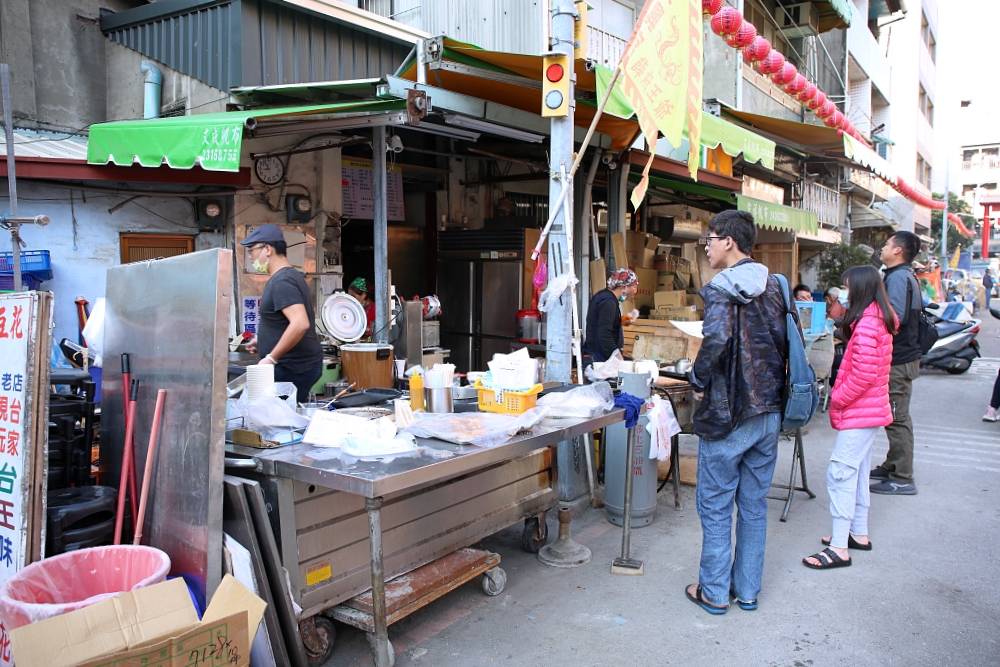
141	247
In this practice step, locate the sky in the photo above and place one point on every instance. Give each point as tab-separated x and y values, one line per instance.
968	68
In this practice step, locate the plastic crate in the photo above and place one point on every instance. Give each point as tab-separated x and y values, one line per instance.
512	402
35	262
29	281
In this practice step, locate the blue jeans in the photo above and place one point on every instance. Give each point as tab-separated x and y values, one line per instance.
737	468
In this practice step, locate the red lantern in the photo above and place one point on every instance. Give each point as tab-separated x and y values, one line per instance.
827	110
785	75
771	63
797	85
818	100
808	92
711	7
836	120
758	50
742	37
727	21
849	128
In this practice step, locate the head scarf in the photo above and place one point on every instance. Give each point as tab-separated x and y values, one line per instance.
360	284
622	278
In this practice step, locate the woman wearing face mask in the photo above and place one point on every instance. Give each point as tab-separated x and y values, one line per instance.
286	329
604	318
359	290
859	406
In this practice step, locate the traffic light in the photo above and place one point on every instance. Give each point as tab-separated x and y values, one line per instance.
556	85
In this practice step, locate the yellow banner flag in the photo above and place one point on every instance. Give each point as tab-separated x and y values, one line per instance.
953	263
662	72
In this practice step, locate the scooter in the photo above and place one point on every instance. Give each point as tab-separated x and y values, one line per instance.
956	345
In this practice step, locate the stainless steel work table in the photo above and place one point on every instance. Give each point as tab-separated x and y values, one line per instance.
375	480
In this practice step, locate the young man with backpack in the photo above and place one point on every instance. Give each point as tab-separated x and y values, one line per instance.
894	477
740	379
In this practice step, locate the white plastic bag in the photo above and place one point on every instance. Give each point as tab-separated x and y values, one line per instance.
483	429
586	401
329	429
93	332
374	448
609	369
271	416
555	290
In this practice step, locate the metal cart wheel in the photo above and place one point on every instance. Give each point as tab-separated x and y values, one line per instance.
392	651
319	643
535	535
494	581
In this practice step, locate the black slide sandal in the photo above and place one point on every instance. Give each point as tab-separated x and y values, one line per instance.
828	559
852	544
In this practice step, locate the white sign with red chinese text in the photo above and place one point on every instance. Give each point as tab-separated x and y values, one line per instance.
15	336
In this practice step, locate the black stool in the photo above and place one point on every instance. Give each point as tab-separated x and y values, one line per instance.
80	517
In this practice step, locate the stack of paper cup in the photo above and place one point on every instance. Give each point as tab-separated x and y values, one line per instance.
260	381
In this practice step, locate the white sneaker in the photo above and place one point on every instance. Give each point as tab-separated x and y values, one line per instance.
992	415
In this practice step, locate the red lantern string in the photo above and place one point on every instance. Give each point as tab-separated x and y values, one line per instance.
757	50
797	85
827	110
808	92
711	7
727	21
785	75
742	37
772	63
835	120
818	100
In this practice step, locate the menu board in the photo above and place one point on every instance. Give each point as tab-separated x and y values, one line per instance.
358	184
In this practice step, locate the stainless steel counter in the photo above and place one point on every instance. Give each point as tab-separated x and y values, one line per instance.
372	479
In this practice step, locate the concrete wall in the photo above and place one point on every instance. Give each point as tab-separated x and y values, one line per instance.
125	87
83	238
63	49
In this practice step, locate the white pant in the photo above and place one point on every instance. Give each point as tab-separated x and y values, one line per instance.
847	483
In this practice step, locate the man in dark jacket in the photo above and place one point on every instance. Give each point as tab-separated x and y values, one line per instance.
604	316
895	476
739	377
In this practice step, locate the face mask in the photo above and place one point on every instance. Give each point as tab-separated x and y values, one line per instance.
260	268
622	298
843	298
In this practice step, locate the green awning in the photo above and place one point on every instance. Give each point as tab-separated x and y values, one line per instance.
715	132
778	217
212	140
833	14
687	188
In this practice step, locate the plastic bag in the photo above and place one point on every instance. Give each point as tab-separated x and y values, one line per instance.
375	448
93	332
555	290
272	416
609	369
482	429
586	401
329	429
78	579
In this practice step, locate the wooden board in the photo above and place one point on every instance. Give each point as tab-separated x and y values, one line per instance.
618	244
598	276
705	270
688	466
659	348
661	328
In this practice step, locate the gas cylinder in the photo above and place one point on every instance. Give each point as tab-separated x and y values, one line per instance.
529	326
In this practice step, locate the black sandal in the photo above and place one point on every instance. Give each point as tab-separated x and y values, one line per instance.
828	559
852	544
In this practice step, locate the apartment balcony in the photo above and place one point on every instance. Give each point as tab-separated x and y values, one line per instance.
604	47
823	201
870	185
864	48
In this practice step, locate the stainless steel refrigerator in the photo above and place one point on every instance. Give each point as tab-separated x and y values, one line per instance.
480	283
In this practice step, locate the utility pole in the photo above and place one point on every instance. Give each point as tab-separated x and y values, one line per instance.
558	339
944	212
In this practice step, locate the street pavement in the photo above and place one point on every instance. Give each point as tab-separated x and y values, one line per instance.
927	594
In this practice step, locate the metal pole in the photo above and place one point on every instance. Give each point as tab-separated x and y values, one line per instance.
629	480
8	126
380	638
944	213
381	235
558	355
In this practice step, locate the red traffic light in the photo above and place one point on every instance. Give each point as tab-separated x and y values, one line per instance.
554	72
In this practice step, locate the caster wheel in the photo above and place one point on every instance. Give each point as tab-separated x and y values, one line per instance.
319	644
535	535
494	581
392	651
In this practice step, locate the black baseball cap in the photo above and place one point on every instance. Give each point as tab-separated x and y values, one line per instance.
268	233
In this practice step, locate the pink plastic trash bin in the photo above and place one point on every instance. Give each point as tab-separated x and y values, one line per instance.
78	579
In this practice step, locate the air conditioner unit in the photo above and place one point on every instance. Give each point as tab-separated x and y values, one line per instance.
798	20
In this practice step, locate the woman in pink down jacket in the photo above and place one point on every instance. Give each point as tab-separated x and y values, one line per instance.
859	406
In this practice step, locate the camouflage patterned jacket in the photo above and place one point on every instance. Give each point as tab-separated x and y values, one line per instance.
741	365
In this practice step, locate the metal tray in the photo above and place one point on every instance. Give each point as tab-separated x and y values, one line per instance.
367	397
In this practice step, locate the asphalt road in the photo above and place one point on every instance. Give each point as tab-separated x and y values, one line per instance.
927	594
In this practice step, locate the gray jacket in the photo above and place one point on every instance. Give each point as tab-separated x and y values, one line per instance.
902	286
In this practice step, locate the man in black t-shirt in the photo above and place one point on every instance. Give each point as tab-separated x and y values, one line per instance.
286	331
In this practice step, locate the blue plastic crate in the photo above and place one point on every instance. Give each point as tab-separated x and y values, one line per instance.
35	262
29	281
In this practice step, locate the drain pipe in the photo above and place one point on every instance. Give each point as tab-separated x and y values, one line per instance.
153	89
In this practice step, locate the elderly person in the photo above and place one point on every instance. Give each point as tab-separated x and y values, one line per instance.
604	317
834	309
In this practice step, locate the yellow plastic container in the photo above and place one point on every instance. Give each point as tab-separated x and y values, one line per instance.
416	392
514	402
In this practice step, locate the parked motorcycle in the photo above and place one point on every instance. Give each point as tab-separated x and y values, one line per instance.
956	346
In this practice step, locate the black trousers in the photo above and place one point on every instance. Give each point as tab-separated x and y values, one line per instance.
303	382
995	401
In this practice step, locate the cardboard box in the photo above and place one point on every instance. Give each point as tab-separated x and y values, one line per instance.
696	300
640	249
647	287
683	314
669	299
157	625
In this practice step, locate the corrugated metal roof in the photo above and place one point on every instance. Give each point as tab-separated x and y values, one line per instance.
32	144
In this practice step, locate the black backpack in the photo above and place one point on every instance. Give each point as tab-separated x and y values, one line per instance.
927	333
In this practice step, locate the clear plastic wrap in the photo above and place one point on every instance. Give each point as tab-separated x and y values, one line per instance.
608	369
272	416
482	429
555	290
78	579
586	401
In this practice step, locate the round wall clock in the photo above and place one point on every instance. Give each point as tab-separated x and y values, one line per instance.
270	170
